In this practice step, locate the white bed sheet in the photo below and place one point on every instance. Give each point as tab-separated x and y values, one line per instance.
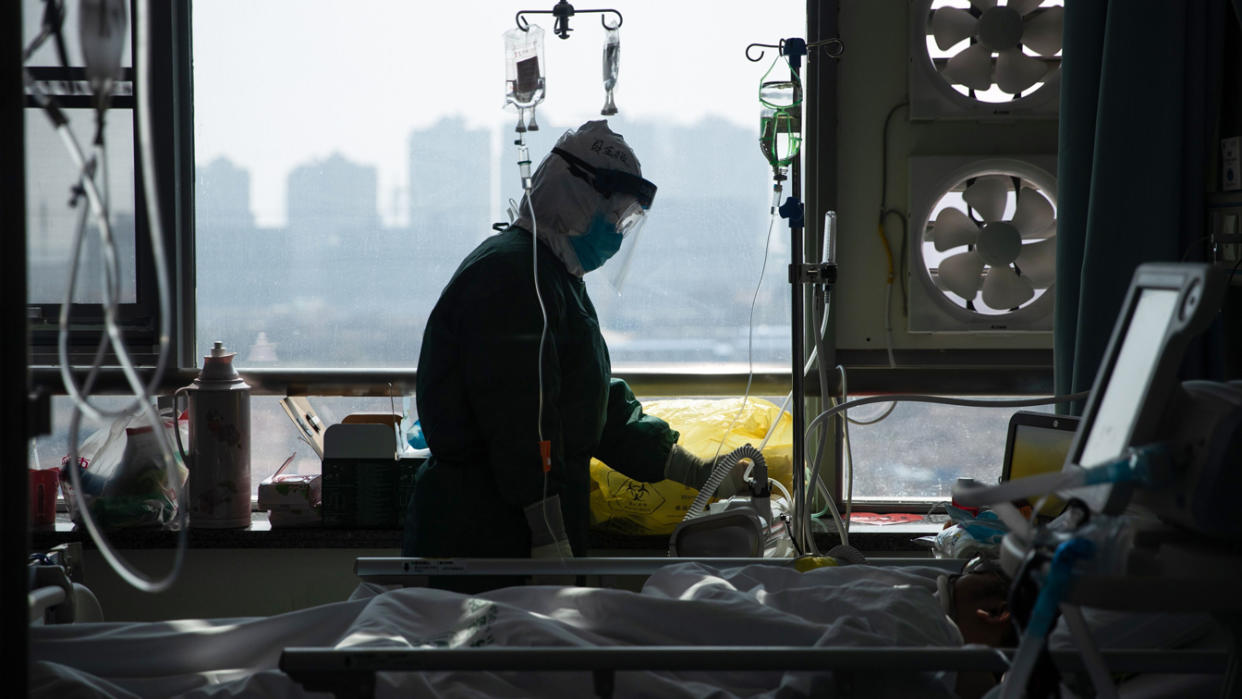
684	604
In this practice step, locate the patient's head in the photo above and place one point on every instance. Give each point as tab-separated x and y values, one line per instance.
980	608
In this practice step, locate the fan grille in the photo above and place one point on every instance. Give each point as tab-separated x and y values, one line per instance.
994	252
994	51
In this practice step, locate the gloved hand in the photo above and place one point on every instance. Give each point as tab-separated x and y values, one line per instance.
686	468
547	529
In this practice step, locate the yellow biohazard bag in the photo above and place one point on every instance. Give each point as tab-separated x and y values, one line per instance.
625	506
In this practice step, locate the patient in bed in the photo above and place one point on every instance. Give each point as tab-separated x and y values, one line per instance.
683	604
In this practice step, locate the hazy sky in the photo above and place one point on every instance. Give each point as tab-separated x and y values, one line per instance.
281	82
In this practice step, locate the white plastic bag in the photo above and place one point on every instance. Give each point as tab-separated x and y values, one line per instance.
124	479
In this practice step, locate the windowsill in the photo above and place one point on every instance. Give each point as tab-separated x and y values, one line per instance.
869	538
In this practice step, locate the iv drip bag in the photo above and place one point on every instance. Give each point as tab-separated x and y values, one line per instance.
612	65
524	80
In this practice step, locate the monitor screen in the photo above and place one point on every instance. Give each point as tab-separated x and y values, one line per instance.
1126	390
1036	450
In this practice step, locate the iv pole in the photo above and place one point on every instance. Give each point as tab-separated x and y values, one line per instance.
800	275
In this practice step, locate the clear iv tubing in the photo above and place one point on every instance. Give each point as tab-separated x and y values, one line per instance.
142	392
722	467
842	530
524	171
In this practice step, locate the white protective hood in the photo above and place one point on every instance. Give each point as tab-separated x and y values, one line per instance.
565	204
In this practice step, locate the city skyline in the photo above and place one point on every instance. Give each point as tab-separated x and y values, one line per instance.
687	297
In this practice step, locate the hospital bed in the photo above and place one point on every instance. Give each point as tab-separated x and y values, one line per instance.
1186	570
1173	451
348	674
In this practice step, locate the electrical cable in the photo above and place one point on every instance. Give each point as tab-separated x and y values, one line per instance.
888	254
946	400
903	261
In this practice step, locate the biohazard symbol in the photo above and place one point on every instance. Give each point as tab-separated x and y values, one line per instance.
630	496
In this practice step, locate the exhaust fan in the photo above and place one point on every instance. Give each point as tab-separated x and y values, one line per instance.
983	245
985	58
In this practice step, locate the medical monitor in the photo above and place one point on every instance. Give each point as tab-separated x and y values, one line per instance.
1038	443
1166	305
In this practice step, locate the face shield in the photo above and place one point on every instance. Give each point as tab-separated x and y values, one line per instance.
629	224
631	193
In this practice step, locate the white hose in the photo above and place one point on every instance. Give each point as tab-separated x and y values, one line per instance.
142	393
722	469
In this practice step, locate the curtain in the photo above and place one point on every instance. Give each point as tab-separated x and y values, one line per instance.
1140	94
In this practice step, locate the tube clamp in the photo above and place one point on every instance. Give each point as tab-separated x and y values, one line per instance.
816	273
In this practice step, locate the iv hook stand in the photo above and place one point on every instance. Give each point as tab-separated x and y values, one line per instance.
833	48
563	11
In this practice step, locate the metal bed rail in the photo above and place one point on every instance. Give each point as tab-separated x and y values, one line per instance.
350	674
398	570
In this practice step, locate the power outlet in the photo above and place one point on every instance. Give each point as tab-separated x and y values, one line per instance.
1226	227
1231	164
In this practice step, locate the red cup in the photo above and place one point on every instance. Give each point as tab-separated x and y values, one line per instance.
43	486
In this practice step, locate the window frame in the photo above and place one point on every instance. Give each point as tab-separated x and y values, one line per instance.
172	112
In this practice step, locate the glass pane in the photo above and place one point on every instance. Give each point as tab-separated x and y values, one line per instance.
50	220
338	190
922	448
32	24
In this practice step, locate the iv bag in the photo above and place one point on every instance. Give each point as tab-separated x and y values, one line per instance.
612	65
780	135
780	118
524	82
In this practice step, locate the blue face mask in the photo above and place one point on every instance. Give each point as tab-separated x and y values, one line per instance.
600	242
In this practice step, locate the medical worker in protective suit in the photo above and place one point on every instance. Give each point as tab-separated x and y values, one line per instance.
483	492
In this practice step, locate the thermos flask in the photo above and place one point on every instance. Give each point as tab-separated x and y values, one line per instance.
219	457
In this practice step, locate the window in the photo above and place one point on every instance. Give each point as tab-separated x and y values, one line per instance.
921	449
53	210
349	155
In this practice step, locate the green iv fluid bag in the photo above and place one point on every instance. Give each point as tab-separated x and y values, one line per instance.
780	117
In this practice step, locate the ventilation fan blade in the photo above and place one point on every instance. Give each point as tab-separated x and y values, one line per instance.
987	196
1003	288
951	25
1016	72
972	68
1042	31
1033	217
1038	262
961	274
1023	7
983	5
954	229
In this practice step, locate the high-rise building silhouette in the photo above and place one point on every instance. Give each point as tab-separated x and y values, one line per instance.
222	196
332	196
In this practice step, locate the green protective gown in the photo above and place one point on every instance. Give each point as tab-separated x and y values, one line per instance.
478	397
